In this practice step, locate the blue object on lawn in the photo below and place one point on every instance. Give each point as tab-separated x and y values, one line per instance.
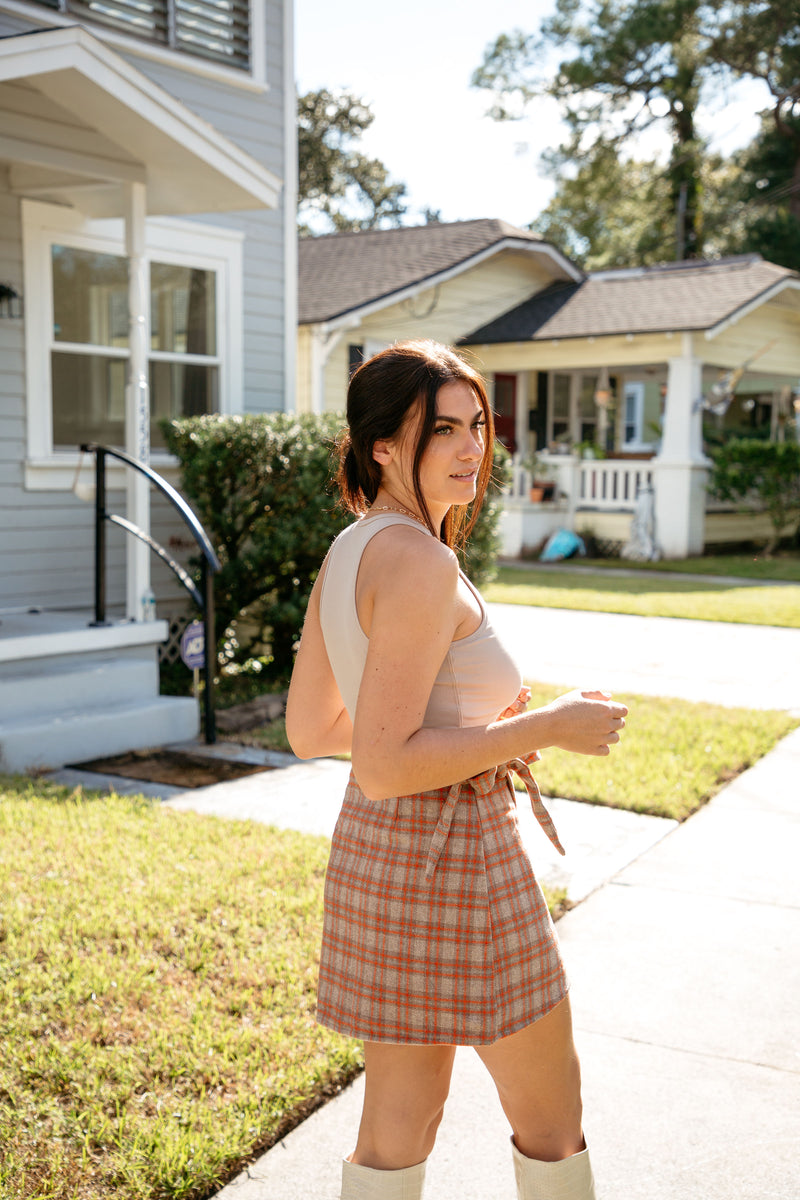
562	544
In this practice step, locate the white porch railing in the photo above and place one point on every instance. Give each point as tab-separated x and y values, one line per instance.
588	483
612	483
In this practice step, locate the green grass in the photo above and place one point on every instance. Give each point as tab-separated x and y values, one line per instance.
640	595
673	756
783	566
157	991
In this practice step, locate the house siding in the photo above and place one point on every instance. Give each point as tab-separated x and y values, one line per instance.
47	537
445	313
772	322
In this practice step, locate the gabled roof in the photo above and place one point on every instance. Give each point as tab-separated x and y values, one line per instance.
77	120
342	273
679	296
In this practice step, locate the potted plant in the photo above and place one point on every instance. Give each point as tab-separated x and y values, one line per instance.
542	485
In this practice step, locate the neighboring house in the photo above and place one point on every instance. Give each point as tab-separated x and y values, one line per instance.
147	270
620	359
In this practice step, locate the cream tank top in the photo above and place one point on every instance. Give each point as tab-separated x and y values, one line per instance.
478	677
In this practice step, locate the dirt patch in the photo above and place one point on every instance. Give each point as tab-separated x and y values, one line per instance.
173	767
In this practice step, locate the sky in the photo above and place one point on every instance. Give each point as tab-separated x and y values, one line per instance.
411	62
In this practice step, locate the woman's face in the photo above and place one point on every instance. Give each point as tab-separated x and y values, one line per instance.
452	458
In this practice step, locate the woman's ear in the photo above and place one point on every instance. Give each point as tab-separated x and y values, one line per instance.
383	451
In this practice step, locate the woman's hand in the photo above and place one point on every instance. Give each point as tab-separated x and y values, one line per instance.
588	722
520	705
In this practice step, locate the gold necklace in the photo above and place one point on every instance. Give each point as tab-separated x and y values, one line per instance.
396	508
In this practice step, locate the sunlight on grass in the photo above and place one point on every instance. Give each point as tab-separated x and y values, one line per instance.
674	755
157	991
648	597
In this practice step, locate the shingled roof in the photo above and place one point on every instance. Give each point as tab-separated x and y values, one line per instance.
342	272
679	296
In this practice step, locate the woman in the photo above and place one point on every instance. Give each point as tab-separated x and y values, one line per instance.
436	933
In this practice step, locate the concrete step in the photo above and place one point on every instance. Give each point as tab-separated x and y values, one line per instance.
74	735
74	681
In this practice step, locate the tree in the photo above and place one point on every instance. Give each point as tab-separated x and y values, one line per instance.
761	39
636	63
335	180
767	195
615	212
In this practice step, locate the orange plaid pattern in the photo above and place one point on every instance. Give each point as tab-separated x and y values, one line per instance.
435	928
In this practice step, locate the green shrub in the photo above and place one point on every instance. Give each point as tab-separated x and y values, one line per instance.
262	485
748	468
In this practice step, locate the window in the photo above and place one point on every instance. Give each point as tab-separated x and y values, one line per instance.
77	330
218	30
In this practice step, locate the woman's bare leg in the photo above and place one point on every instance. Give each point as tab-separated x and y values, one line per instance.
404	1095
537	1076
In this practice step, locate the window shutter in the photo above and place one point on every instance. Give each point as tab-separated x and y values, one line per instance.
214	29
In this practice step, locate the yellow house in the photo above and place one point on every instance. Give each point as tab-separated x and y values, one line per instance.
604	377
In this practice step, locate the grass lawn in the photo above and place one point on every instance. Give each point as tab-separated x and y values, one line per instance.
558	587
672	758
784	566
157	991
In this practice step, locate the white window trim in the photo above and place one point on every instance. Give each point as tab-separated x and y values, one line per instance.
170	240
254	80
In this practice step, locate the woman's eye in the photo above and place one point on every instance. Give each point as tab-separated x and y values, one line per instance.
445	429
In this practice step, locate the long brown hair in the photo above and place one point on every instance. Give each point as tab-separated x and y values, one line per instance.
382	393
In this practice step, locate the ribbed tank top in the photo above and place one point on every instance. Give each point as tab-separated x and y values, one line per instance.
478	677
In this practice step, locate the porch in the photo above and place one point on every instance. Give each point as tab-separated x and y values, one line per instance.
70	690
598	496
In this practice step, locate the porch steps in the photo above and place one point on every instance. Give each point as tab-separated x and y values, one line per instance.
71	707
72	681
74	735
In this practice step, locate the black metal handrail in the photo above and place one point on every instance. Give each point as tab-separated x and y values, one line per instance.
203	597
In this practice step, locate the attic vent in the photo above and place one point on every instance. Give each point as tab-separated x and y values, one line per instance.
214	29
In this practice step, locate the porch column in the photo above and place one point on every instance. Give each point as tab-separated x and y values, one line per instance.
137	398
323	342
521	428
680	467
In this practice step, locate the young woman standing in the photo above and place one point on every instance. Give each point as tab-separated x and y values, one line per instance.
436	933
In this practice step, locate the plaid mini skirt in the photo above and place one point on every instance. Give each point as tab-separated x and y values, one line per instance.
435	929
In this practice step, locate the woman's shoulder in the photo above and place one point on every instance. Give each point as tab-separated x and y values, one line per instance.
411	560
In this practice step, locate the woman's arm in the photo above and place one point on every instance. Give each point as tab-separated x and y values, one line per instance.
317	722
412	625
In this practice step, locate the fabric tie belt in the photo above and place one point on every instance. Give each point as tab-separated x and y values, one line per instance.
481	785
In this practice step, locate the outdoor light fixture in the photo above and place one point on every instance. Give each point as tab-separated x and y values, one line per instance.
10	302
602	393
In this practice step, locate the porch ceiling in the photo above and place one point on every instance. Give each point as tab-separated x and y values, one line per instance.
78	121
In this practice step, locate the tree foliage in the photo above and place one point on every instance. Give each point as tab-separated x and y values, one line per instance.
632	64
336	181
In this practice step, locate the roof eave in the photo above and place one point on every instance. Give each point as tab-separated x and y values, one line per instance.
755	302
82	74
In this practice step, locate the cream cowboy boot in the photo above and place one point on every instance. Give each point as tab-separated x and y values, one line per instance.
365	1183
567	1179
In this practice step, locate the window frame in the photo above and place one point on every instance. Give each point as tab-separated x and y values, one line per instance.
169	240
252	79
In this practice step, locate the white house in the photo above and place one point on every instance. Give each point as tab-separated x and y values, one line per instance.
147	269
